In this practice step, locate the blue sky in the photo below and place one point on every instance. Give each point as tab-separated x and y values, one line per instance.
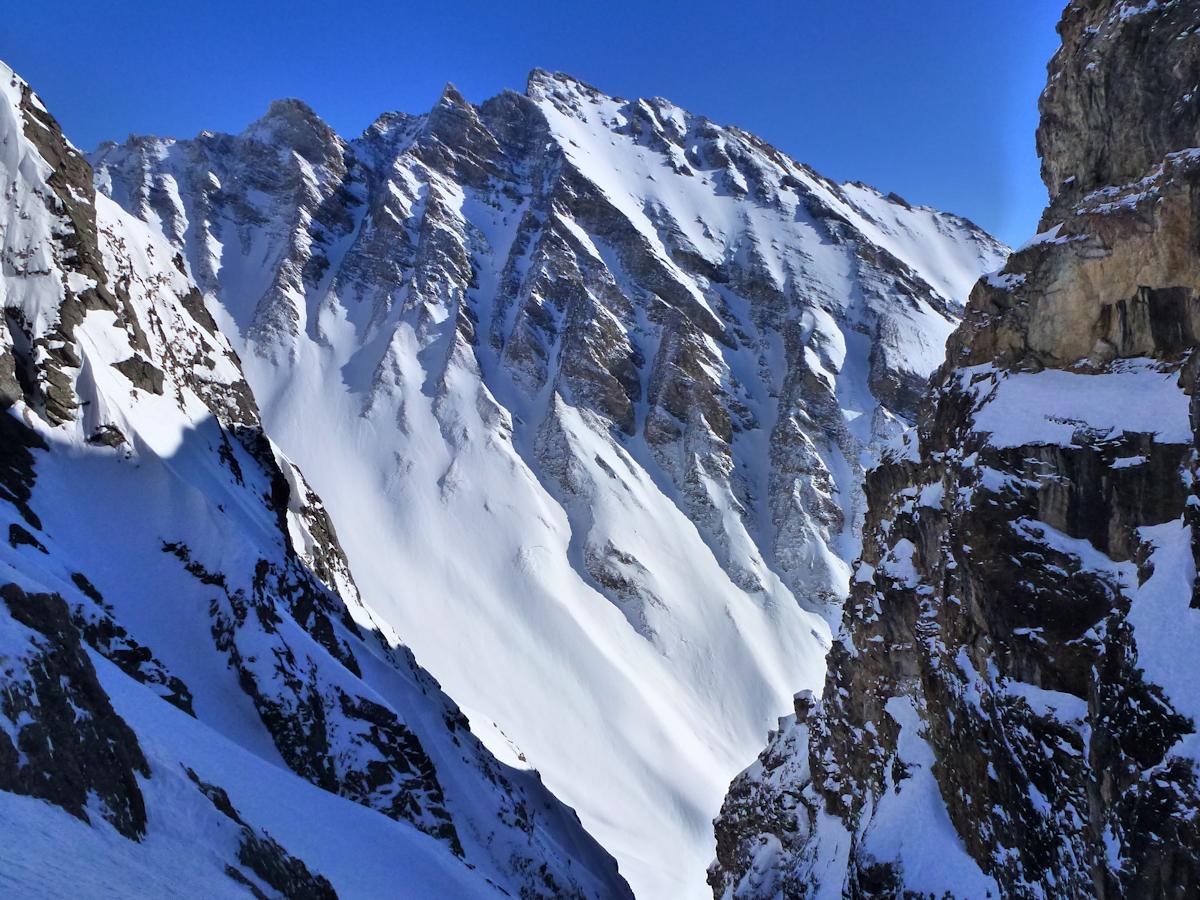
933	99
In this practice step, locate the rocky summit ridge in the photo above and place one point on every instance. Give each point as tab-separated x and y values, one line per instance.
588	386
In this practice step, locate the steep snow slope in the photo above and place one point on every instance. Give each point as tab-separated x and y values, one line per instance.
587	385
185	657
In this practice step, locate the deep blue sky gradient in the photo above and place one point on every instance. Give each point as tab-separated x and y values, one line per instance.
933	99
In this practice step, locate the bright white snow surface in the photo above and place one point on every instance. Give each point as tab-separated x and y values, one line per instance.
463	552
462	548
1049	407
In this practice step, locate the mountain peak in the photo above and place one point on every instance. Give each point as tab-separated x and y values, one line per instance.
542	83
452	97
294	123
290	108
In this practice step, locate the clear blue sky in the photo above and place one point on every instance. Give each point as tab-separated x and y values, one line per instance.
933	99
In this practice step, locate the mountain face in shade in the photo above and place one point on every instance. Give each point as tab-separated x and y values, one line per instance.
587	386
1011	702
195	699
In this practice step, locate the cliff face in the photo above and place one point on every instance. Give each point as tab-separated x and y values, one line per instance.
1011	702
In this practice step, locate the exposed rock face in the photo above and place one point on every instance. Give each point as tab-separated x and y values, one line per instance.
61	740
580	373
262	855
1011	705
161	547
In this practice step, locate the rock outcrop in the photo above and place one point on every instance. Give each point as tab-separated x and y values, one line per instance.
1010	708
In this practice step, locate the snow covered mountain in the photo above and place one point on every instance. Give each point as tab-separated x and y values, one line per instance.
195	701
1011	708
587	386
